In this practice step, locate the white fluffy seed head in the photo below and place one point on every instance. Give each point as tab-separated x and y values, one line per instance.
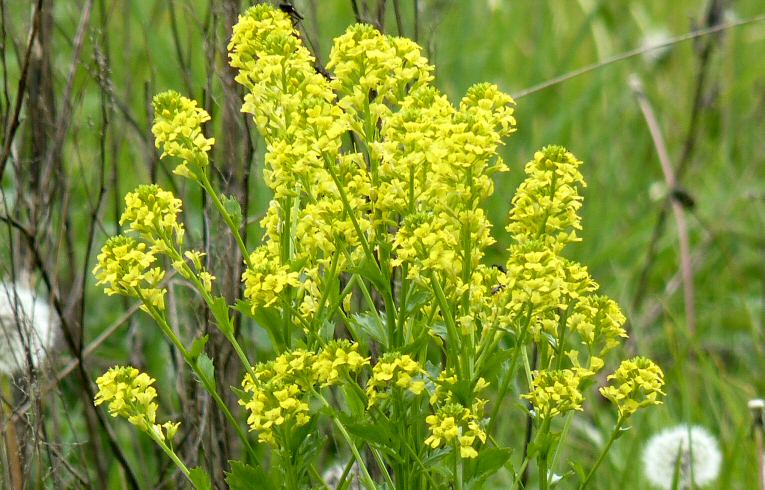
690	449
26	326
756	404
333	475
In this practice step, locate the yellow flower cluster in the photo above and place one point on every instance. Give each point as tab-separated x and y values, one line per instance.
412	145
598	319
290	101
555	392
336	358
124	266
130	395
395	370
534	277
266	279
427	243
546	203
637	383
454	424
279	393
373	70
177	129
153	213
295	109
436	167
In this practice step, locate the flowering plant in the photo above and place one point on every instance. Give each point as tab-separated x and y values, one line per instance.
370	280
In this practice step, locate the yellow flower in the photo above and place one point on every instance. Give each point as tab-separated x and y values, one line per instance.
455	424
336	358
398	370
373	70
153	213
546	203
555	392
637	383
598	320
177	129
130	395
266	279
124	266
278	394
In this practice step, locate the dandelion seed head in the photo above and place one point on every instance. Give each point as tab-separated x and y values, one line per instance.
26	323
756	404
699	454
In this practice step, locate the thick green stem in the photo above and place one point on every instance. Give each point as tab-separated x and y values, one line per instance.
451	327
457	467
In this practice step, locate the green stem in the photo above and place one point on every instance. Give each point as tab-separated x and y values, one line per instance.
285	257
227	329
381	465
457	467
226	217
519	474
347	206
451	327
332	276
561	439
543	472
165	327
171	454
316	476
603	453
510	373
368	482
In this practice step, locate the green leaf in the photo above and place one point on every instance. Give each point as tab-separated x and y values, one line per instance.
416	299
244	477
244	307
327	331
369	324
243	395
368	270
270	319
494	362
356	405
206	370
622	431
438	330
437	461
234	210
420	342
200	479
219	310
198	346
378	433
488	462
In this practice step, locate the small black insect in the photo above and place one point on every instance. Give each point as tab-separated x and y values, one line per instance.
683	197
290	10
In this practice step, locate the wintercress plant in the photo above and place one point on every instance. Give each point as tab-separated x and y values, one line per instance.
389	330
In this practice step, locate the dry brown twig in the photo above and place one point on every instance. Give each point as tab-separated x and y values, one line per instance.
677	207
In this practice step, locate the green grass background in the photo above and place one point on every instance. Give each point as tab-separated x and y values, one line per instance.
517	44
